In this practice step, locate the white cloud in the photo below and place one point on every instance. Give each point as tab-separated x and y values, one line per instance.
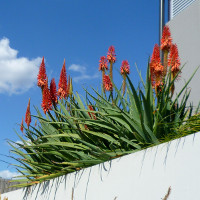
84	77
21	142
6	174
82	70
77	68
16	144
17	75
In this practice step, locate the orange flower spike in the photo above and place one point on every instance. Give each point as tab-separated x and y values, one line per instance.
111	56
156	68
107	83
53	91
62	85
155	58
174	60
156	54
46	99
174	63
22	126
42	77
125	69
166	43
28	114
103	64
166	40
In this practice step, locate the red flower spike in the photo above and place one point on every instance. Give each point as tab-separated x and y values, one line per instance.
46	99
107	83
103	63
22	126
156	54
174	60
111	56
166	40
62	85
93	116
53	91
156	67
125	67
28	114
42	77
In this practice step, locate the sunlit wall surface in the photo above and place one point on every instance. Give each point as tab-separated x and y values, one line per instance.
185	29
144	175
176	6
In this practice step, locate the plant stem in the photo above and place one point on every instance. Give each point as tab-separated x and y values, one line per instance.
172	88
111	71
111	77
165	63
124	84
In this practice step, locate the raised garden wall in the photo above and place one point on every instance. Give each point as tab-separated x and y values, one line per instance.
5	186
147	174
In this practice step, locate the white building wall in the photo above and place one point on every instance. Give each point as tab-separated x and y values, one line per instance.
185	29
145	175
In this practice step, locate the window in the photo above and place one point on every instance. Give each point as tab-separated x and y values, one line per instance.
176	6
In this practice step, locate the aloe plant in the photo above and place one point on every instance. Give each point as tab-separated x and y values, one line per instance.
78	132
65	141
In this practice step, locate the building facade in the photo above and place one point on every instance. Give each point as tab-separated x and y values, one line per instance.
176	6
185	29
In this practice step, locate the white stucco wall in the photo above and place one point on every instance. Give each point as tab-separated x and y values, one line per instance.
185	29
139	176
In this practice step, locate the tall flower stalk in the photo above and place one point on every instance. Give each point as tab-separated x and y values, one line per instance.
53	92
42	77
46	99
107	83
156	69
125	69
70	90
174	64
166	42
111	57
103	66
62	85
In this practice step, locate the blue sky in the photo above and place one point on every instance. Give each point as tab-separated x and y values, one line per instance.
79	31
